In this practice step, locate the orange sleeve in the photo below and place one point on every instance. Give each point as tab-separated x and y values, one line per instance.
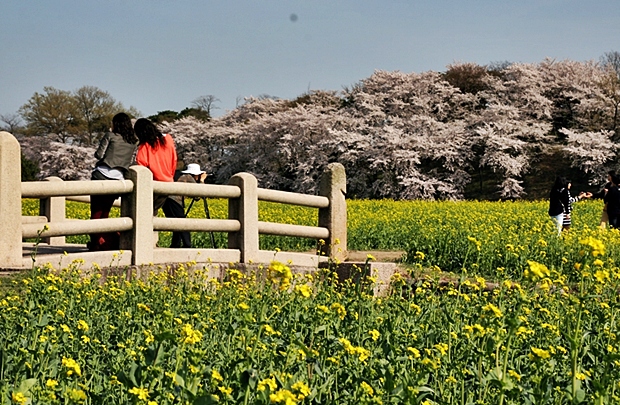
174	153
142	157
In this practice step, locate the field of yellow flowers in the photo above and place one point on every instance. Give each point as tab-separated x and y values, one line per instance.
529	318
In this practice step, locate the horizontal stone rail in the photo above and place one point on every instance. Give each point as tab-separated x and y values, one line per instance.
196	190
76	227
86	199
196	225
272	228
46	189
138	227
34	220
285	197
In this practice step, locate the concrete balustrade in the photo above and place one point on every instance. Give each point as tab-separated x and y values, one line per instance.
196	190
38	189
137	226
10	201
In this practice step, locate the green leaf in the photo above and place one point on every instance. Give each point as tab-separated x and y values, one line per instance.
26	385
44	320
249	377
580	395
179	380
132	374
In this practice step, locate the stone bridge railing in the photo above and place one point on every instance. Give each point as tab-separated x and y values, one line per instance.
138	227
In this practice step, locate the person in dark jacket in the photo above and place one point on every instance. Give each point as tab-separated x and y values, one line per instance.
602	194
115	153
560	203
567	202
556	207
612	202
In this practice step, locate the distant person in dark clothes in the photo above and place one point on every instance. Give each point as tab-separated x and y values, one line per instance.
612	202
568	201
174	207
556	207
115	153
601	194
560	203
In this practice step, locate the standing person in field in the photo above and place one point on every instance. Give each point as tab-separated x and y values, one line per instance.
567	202
612	202
560	203
157	152
556	206
602	194
115	154
174	207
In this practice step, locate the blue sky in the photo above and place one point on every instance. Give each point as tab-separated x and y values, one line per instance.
162	54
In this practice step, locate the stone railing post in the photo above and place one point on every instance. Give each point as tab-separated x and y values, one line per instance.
10	202
245	210
333	185
138	205
55	210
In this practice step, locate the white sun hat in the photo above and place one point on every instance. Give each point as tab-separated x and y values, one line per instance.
194	169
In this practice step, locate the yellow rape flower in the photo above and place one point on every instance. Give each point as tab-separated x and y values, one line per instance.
367	389
283	396
301	389
442	348
414	352
148	336
374	334
77	395
267	383
304	290
189	335
536	270
141	393
492	308
279	274
596	247
51	383
541	353
340	310
18	398
72	366
601	276
215	375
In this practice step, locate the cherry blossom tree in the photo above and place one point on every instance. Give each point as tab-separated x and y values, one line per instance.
591	152
69	162
405	135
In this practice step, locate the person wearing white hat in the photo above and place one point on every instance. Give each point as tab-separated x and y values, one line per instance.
174	207
194	170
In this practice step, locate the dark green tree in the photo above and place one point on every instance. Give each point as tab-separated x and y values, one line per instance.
51	112
166	115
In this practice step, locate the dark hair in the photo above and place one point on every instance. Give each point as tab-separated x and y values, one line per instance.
560	183
611	172
121	124
615	179
148	133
